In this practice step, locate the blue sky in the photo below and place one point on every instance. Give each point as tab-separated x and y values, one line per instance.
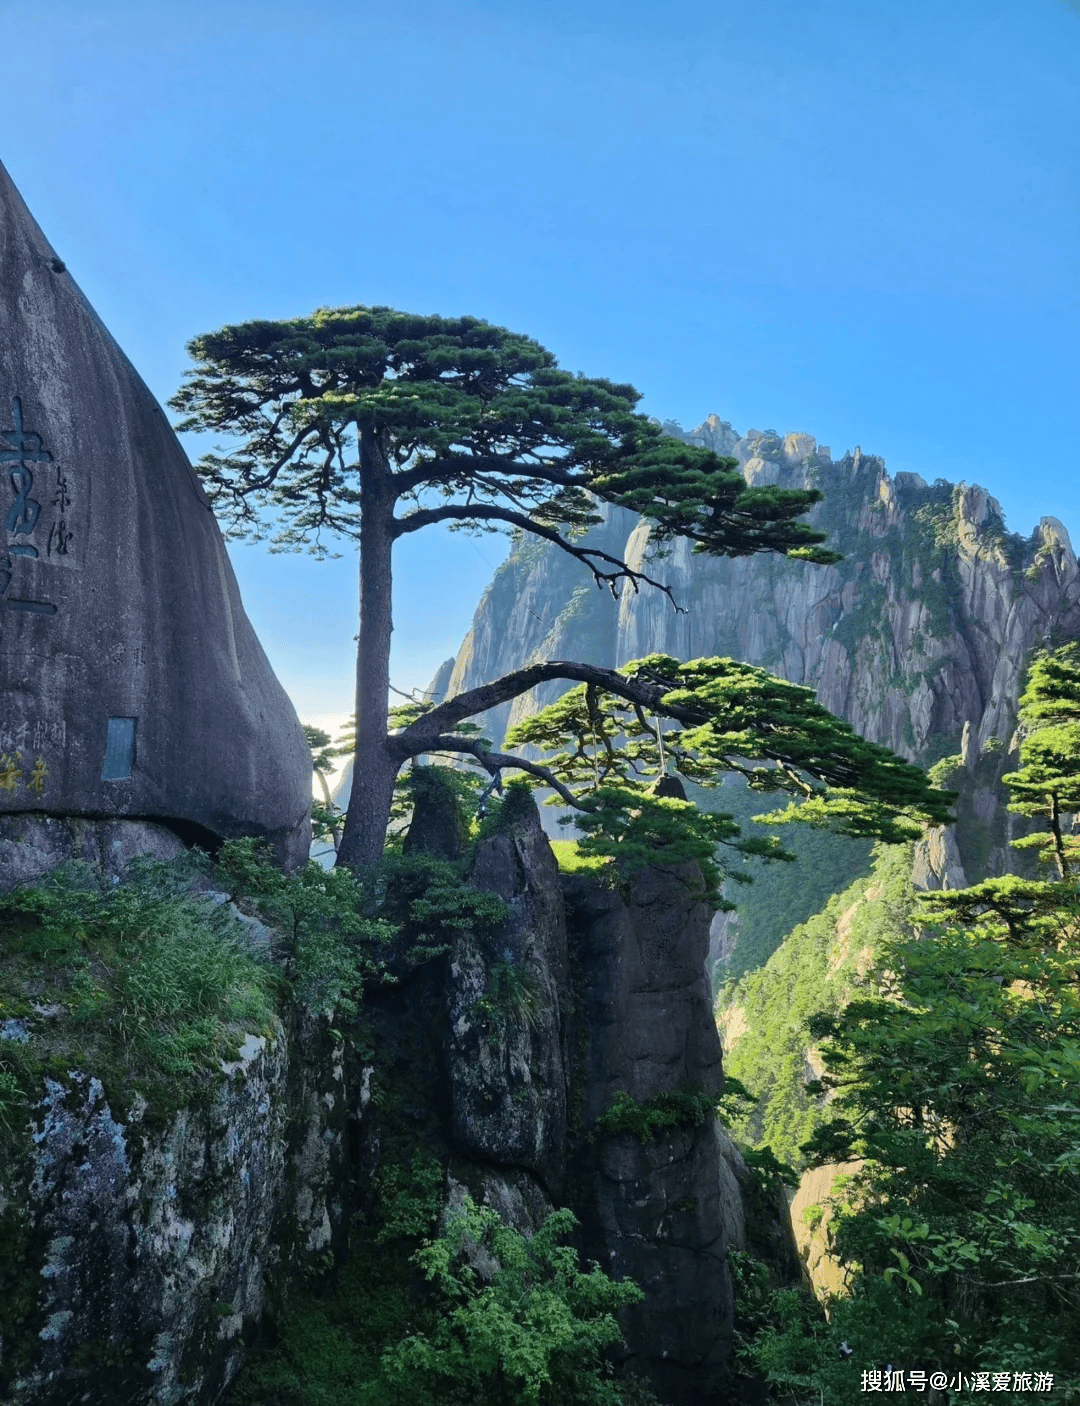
856	219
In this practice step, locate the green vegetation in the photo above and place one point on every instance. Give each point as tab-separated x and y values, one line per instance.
145	985
145	982
1047	786
685	1108
465	1310
572	861
956	1089
150	983
535	1333
780	896
330	945
339	419
325	820
609	760
765	1014
513	997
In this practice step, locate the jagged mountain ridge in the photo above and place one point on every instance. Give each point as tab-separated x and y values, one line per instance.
921	631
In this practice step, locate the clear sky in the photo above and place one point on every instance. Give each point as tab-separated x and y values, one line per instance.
857	218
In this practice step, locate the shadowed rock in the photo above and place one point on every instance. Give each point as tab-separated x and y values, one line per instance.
660	1212
507	1053
131	682
438	827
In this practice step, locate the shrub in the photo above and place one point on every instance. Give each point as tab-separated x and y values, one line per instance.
165	973
534	1333
675	1109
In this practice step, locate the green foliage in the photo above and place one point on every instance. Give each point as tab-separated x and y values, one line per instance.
639	831
1048	782
477	1315
959	1232
572	861
534	1333
12	1096
507	809
779	896
356	412
676	1108
513	997
322	753
333	946
410	1199
325	816
454	404
944	772
813	972
429	901
715	716
957	1092
158	979
343	931
460	787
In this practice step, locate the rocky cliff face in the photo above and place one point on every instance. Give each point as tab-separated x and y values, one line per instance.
142	1246
132	685
630	1014
659	1212
139	1241
921	631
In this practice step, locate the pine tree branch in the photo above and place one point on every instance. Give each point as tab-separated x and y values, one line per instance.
494	762
419	736
492	512
468	465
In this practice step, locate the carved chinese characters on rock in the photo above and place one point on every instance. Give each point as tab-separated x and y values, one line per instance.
25	748
31	476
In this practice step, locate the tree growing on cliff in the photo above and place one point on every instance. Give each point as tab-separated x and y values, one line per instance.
607	748
371	424
958	1097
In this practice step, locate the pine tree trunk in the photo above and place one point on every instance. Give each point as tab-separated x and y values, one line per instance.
373	769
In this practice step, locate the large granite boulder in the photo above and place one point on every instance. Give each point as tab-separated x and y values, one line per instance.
131	682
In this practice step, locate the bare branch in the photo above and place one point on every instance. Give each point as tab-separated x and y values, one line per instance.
494	762
492	512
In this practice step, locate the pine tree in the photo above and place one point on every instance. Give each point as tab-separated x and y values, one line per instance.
369	424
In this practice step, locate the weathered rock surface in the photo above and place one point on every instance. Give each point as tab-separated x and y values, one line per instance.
657	1212
536	1048
507	1049
145	1247
31	845
131	682
815	1194
145	1234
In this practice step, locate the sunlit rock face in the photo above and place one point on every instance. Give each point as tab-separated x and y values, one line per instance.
131	682
923	628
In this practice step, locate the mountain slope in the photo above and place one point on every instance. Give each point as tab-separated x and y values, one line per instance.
918	638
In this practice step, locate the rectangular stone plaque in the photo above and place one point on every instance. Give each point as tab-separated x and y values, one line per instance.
119	750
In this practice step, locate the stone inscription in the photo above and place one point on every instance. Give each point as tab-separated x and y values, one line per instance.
23	767
31	736
26	463
17	772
